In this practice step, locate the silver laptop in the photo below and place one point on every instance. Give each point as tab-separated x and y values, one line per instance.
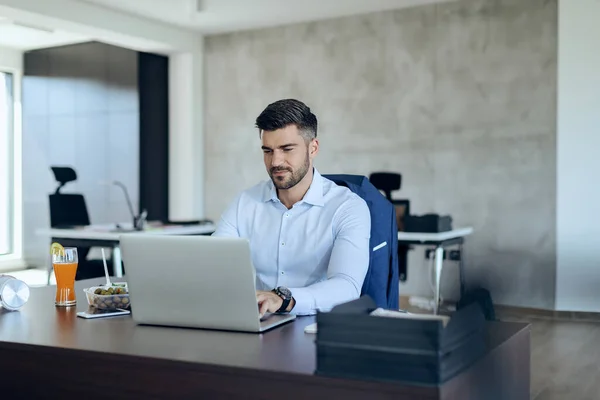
193	281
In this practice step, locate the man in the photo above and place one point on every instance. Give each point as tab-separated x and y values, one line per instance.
309	238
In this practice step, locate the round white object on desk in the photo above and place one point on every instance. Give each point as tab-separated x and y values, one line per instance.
14	293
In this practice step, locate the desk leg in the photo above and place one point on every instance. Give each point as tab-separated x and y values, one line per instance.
439	262
117	266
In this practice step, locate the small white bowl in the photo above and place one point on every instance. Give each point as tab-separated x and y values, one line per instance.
108	301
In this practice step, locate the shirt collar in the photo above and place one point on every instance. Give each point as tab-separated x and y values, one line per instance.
314	194
270	194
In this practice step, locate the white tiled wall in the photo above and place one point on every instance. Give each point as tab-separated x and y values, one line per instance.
80	107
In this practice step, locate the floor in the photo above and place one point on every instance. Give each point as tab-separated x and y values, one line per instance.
33	277
565	351
565	357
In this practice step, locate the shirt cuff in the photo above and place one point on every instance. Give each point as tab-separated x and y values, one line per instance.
305	302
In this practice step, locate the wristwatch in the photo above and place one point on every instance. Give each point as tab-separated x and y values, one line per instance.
286	296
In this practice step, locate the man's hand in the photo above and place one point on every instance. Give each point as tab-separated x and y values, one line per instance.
270	302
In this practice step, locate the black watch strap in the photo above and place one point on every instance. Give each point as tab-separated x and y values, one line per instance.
286	299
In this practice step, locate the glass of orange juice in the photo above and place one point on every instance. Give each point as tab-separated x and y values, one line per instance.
64	262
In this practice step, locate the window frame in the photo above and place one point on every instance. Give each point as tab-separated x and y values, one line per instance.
14	259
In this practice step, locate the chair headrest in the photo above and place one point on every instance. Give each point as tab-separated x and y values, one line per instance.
386	181
64	174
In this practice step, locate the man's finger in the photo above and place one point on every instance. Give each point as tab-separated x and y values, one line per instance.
263	303
263	307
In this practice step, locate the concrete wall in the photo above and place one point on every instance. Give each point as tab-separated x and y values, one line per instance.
578	194
11	59
458	97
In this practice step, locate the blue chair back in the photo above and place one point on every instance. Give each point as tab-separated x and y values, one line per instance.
381	283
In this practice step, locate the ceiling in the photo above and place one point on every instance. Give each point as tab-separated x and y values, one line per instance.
27	37
219	16
204	16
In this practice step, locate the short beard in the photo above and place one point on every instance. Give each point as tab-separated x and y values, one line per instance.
282	183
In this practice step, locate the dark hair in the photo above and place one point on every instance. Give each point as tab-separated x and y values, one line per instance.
286	112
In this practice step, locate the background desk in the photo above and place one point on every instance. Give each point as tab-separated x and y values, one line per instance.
440	241
106	236
48	351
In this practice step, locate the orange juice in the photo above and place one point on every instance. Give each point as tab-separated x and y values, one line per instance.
65	283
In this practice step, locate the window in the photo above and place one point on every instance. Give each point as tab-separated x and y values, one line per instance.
7	163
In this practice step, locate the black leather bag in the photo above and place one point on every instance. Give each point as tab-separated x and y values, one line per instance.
481	297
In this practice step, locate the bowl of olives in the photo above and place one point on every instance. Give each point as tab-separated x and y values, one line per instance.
108	297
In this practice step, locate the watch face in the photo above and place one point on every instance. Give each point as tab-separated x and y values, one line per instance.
285	292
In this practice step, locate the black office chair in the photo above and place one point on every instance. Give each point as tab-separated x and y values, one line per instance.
69	210
387	182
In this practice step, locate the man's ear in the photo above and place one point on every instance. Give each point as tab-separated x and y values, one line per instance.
313	147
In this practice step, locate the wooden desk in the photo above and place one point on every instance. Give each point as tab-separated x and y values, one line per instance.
47	351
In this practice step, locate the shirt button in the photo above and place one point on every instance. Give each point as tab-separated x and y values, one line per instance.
287	215
282	243
282	273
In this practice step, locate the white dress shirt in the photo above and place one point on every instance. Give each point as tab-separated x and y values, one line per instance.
319	248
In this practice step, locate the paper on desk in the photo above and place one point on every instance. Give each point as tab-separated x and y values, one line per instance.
312	328
380	312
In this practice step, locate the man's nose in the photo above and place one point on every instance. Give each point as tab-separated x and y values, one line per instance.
277	159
